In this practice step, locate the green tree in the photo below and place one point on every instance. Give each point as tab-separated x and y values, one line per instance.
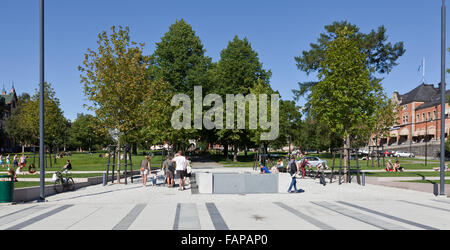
14	127
85	134
55	122
116	81
345	98
237	72
381	55
179	59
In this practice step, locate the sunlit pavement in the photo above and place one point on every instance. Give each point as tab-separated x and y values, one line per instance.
134	207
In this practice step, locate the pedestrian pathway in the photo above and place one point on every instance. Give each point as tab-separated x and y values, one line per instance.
133	207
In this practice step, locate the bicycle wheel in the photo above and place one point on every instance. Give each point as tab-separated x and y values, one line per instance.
70	184
58	186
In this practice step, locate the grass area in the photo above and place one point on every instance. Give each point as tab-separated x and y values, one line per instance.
37	176
87	162
429	182
406	174
407	163
29	184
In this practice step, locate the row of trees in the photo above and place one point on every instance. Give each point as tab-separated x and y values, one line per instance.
130	92
60	133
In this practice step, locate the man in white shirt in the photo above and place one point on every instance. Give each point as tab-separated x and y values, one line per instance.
181	168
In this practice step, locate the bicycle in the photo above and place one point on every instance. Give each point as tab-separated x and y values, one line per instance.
63	183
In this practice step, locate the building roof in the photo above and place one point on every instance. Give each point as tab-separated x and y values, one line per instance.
8	97
436	101
423	93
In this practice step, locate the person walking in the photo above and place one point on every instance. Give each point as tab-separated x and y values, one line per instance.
293	171
23	161
145	169
1	161
15	162
169	169
8	161
181	169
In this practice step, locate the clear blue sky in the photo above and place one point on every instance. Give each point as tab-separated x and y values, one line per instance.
278	31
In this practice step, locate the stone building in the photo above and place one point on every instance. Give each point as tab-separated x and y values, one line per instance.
9	103
419	121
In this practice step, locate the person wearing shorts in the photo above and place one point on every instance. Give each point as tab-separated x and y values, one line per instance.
23	161
181	168
145	169
168	166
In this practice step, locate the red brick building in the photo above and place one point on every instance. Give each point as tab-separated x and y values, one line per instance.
419	117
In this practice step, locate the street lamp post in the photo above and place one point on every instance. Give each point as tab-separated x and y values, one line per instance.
443	71
41	120
426	142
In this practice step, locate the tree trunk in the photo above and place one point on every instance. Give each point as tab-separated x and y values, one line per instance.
346	163
23	149
225	151
235	153
118	159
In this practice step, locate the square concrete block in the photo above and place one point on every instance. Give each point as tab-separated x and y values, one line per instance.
228	184
261	184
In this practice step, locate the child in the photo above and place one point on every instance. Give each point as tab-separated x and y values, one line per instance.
8	162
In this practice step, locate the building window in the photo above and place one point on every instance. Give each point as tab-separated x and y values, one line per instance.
429	116
418	118
405	107
434	115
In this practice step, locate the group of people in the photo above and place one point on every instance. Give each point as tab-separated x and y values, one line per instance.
176	167
390	167
19	164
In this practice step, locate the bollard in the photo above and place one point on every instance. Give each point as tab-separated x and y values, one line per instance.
104	180
363	179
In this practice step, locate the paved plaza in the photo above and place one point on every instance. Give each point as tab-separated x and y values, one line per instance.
133	207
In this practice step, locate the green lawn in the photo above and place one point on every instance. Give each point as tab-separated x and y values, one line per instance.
29	184
406	174
87	162
430	182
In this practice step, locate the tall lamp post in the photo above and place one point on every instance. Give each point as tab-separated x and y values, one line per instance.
443	50
41	120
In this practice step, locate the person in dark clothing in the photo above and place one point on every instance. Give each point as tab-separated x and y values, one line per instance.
293	171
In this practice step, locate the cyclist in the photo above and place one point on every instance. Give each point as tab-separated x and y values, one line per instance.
67	167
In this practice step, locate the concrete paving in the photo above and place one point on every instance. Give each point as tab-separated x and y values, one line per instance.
134	207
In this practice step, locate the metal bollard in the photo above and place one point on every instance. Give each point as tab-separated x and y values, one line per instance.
363	179
104	180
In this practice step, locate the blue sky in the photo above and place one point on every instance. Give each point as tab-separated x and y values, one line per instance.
278	31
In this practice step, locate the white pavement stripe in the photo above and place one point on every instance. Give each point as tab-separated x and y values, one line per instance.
443	201
155	216
188	217
260	216
38	218
358	216
303	216
104	217
14	216
412	223
126	222
424	205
